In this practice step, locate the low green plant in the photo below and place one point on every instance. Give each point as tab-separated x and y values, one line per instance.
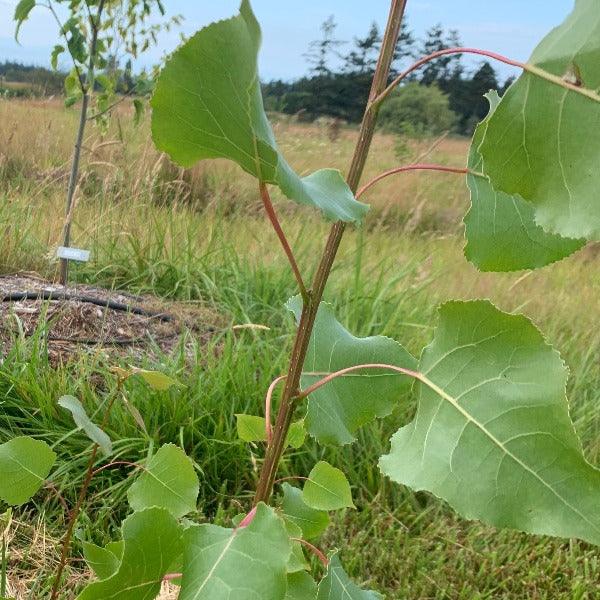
417	110
492	434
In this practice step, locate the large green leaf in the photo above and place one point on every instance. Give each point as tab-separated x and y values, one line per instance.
80	416
500	229
169	481
312	522
492	434
336	411
244	563
24	465
208	104
542	142
152	542
327	488
336	585
301	586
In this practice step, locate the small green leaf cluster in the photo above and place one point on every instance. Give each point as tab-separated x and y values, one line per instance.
97	38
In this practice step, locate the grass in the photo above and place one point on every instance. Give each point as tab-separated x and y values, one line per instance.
198	237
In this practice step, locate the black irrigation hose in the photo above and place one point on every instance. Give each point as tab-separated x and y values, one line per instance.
52	295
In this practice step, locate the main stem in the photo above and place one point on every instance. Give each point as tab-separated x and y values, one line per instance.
309	311
87	88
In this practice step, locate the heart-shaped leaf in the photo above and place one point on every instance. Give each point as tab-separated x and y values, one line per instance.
168	481
24	465
208	104
327	488
152	542
337	410
244	563
492	434
541	141
500	229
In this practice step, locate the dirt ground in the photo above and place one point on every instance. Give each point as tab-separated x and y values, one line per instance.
75	319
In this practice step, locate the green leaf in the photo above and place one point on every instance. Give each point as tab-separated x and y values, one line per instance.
24	465
56	52
500	229
245	564
152	542
83	422
155	379
540	142
169	481
337	410
301	586
327	488
312	522
336	585
104	562
208	104
492	434
251	428
22	10
296	435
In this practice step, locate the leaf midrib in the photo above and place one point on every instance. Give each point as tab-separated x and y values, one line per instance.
443	394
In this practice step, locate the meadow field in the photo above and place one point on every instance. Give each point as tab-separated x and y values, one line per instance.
198	240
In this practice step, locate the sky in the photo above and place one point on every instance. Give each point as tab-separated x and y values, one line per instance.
511	27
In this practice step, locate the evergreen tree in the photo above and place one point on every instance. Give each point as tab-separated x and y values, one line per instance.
320	51
363	58
442	69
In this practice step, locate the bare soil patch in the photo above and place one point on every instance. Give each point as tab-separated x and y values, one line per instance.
75	319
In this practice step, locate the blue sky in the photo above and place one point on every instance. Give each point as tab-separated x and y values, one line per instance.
511	27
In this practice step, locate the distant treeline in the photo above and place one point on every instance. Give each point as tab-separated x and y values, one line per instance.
340	73
28	80
34	80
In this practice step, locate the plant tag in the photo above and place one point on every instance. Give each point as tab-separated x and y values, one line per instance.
73	254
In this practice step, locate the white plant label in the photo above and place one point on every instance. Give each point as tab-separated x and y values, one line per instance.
73	254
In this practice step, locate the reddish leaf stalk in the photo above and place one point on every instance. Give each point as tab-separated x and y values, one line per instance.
116	464
407	168
493	55
268	404
292	478
318	553
270	210
329	378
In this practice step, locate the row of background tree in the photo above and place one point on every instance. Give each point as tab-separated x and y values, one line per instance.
442	95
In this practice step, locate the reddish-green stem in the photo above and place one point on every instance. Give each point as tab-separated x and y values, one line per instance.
348	370
537	71
270	210
318	553
309	310
268	404
408	168
73	516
